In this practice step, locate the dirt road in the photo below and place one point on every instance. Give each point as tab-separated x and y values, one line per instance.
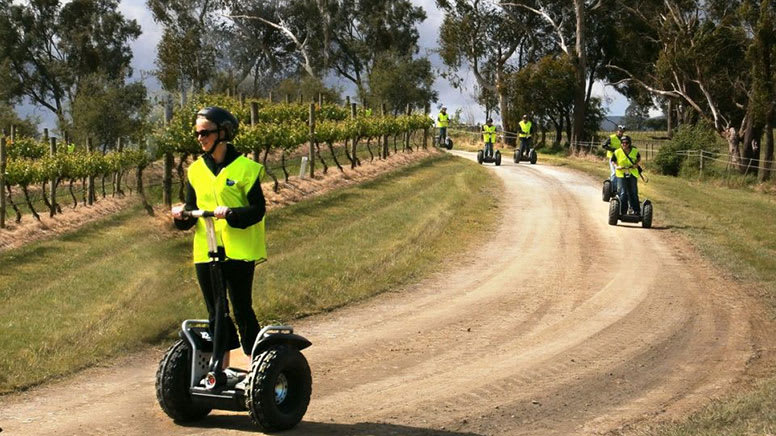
561	324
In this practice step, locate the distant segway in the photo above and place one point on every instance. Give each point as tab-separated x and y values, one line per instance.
483	158
609	190
645	218
190	381
445	143
528	155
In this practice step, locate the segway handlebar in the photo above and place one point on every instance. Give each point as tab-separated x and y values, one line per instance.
199	213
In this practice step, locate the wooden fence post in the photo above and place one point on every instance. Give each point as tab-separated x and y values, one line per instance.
270	97
13	133
320	99
2	180
45	134
288	98
311	152
53	187
117	174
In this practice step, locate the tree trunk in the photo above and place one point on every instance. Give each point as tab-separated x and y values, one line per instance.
581	77
767	150
509	138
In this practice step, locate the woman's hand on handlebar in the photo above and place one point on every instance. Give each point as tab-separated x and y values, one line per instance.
221	212
177	212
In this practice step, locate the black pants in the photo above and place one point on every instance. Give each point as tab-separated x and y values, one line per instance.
238	281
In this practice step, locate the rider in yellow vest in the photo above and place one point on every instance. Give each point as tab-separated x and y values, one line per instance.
229	184
626	167
613	143
526	129
489	136
443	120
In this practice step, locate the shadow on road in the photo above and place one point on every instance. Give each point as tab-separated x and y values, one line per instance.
243	423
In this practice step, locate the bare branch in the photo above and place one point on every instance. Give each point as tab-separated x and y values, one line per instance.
301	46
544	14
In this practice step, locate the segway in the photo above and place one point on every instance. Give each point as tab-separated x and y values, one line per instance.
609	190
190	381
645	218
447	143
528	155
495	158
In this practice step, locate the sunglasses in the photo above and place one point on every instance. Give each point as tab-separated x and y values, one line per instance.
206	133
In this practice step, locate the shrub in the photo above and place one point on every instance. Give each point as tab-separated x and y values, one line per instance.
699	136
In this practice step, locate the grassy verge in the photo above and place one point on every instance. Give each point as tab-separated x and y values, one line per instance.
734	229
126	281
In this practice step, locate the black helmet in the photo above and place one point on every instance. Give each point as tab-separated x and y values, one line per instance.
223	119
490	120
625	139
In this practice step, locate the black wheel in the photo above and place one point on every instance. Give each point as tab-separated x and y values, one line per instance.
498	158
606	192
646	217
172	385
614	211
480	156
279	387
518	156
533	157
449	144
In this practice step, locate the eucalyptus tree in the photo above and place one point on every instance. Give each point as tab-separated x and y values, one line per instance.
399	81
492	39
186	57
48	47
583	30
714	57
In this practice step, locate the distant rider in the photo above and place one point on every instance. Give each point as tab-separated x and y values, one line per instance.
626	168
526	130
443	120
611	144
489	137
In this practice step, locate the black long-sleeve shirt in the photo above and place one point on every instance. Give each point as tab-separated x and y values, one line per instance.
240	217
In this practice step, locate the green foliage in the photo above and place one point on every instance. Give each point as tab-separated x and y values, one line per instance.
26	147
399	81
697	137
53	45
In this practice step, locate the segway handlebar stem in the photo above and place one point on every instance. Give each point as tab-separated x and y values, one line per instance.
198	213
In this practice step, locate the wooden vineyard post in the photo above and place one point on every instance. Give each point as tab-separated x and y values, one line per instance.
254	121
426	111
355	139
53	187
383	108
408	132
168	163
2	180
89	180
311	152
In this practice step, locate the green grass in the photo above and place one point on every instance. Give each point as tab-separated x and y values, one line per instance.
126	281
733	227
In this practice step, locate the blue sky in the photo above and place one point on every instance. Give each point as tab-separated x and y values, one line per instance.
144	49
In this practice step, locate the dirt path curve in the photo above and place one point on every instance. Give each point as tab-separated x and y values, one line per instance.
544	330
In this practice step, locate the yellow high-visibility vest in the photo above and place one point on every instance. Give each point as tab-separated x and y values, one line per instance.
489	133
230	188
622	161
443	120
614	142
525	129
